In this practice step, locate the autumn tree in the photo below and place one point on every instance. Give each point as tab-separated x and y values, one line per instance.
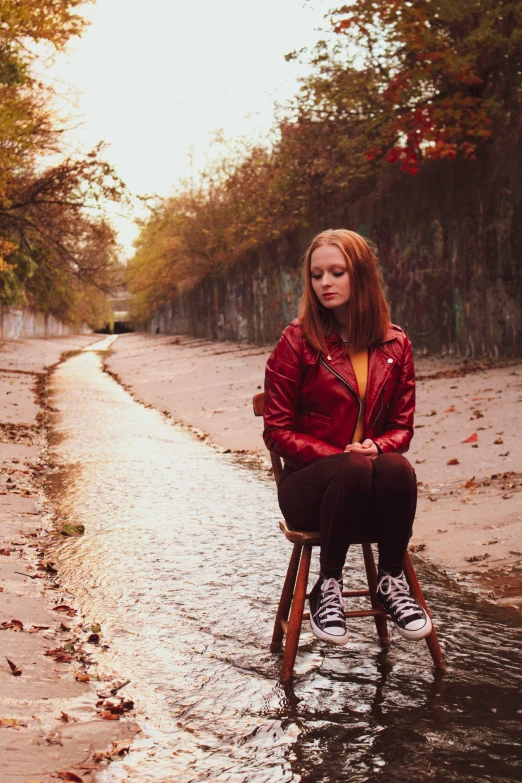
448	73
402	83
57	251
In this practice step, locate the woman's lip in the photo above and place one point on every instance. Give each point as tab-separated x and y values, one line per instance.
328	296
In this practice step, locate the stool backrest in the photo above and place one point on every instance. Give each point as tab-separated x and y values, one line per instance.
258	401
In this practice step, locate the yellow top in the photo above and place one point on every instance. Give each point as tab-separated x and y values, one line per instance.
359	361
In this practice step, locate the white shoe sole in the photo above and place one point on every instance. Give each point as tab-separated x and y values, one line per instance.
421	633
324	637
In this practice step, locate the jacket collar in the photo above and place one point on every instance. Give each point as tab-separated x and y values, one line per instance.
391	334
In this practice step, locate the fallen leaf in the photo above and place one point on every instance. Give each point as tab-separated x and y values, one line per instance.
36	628
453	461
472	438
71	776
14	668
66	717
68	610
81	677
59	655
120	748
420	461
498	441
72	530
416	547
9	723
6	552
96	628
107	715
476	558
54	739
450	409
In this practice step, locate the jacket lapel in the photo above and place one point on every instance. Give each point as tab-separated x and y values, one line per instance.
379	368
339	360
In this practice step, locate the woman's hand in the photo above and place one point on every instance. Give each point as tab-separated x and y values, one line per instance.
367	447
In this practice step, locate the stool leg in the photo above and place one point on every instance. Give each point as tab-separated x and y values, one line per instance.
431	640
296	616
371	575
286	598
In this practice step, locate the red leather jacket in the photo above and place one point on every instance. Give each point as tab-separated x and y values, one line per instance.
312	403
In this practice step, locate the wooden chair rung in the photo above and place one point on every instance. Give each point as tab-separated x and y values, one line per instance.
358	613
352	594
367	613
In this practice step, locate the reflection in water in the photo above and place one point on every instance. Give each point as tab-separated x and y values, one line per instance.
182	563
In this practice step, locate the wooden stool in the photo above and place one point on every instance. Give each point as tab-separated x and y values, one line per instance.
290	613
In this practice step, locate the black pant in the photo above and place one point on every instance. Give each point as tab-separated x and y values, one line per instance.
353	499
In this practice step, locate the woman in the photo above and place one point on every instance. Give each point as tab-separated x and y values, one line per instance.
339	404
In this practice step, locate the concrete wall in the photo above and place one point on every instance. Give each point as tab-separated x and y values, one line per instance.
450	247
19	323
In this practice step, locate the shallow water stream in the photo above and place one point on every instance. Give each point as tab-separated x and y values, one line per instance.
182	563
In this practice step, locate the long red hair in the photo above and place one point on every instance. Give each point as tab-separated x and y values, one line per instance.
368	311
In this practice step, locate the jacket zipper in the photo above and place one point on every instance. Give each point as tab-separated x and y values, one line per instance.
382	404
340	377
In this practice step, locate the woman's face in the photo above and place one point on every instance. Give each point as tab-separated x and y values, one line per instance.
330	278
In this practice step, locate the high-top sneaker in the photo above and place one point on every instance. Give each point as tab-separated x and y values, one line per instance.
408	616
327	611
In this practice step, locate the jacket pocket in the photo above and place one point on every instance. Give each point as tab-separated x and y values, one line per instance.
310	421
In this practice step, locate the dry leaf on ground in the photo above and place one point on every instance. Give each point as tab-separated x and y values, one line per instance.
472	438
10	723
54	739
453	461
108	715
71	776
81	677
14	668
60	655
68	610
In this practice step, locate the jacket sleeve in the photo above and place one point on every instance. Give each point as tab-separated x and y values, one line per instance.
283	380
398	426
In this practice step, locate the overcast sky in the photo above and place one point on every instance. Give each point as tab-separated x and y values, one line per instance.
155	78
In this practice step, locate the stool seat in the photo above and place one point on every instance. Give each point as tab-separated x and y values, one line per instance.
310	537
